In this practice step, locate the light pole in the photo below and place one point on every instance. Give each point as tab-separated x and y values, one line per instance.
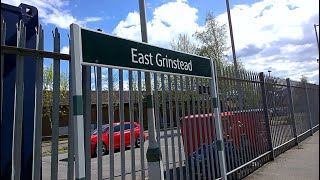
154	158
234	56
315	29
231	37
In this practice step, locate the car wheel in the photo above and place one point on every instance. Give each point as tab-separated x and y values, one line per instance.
103	149
138	141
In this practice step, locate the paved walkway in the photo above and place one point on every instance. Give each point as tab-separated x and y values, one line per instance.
298	163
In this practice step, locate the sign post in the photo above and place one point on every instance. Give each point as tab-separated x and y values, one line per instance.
77	111
154	157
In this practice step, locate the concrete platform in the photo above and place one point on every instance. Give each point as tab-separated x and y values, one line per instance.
299	163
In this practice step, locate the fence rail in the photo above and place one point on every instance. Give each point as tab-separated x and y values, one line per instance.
275	115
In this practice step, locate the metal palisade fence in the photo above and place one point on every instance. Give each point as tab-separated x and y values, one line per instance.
276	115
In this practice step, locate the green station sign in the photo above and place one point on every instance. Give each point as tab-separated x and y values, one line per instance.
100	49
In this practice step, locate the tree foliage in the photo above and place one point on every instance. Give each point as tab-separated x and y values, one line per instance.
48	93
304	79
213	40
183	43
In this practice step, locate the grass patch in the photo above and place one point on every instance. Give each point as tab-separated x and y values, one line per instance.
61	150
48	140
280	120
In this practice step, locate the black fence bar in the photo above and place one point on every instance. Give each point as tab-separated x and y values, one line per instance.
33	52
308	107
291	108
266	116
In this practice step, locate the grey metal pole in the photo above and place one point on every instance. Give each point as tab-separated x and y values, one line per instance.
231	37
266	116
77	110
315	29
308	107
234	55
292	118
217	113
37	134
154	159
18	106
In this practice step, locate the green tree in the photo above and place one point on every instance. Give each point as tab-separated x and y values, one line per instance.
213	39
47	91
183	43
213	44
304	79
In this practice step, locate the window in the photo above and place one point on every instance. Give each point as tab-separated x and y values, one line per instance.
104	129
126	126
117	128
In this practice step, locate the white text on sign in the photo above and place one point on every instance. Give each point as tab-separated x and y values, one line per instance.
160	60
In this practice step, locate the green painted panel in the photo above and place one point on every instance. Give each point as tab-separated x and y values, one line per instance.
98	48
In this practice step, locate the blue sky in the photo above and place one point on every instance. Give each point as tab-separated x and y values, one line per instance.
269	34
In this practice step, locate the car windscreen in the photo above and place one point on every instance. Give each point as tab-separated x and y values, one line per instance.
104	129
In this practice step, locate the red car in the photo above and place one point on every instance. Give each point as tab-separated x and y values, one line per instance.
116	136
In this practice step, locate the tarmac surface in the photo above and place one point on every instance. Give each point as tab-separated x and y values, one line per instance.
299	163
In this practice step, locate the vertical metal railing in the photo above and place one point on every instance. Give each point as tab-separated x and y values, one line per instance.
189	114
170	106
215	105
211	138
140	117
262	129
18	104
179	128
164	117
3	39
71	127
195	124
204	120
184	129
87	106
228	121
291	109
199	127
131	114
99	121
266	115
156	109
192	169
37	136
111	121
55	107
122	127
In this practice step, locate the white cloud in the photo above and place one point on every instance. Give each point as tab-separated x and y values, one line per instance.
277	34
65	50
167	22
268	21
269	33
54	12
290	48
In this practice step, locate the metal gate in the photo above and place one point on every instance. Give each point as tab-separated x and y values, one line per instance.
183	115
184	108
181	121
